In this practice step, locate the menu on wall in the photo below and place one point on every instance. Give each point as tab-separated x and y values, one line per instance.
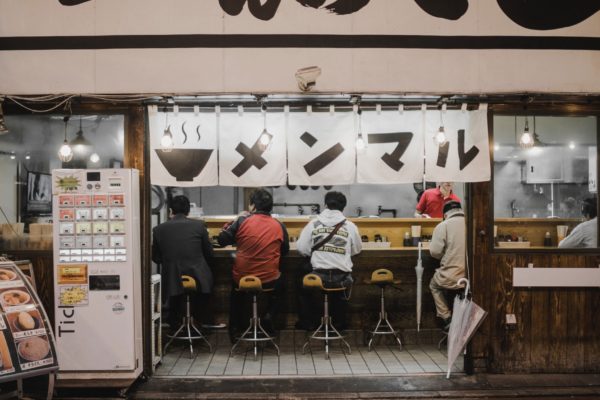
91	228
27	345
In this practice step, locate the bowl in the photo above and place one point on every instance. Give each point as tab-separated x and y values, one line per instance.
33	349
184	164
19	328
14	297
7	275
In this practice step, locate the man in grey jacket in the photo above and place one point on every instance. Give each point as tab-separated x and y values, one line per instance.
331	261
448	245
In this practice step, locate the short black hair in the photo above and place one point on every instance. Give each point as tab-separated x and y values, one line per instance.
262	200
335	201
589	208
180	205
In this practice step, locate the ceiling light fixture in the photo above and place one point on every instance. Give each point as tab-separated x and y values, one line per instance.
94	158
265	137
3	128
526	140
360	141
65	153
80	144
572	145
13	155
27	156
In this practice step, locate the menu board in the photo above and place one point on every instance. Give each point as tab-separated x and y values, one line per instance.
27	345
92	228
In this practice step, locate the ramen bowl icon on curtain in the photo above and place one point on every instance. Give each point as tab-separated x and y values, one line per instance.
184	164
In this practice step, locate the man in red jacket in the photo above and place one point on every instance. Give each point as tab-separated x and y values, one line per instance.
261	240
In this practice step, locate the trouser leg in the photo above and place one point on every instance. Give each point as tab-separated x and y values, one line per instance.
439	298
237	322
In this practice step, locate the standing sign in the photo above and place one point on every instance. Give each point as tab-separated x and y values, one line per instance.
26	341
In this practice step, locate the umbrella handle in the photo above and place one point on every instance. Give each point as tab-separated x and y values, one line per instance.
467	285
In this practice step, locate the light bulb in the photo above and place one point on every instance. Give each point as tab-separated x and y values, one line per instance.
65	153
13	156
440	137
526	139
264	140
94	158
360	142
166	141
572	145
496	147
27	156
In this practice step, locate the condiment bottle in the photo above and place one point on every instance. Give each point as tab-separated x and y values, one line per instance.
407	240
547	240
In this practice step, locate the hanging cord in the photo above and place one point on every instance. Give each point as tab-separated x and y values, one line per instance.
8	221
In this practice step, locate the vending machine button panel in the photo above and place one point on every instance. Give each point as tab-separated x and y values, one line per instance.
67	228
83	214
83	242
100	242
66	200
117	213
100	227
67	242
100	213
84	228
66	214
83	200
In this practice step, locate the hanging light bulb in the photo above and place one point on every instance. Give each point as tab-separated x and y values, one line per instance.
65	153
572	145
440	137
265	137
166	141
13	155
94	158
526	140
27	156
361	145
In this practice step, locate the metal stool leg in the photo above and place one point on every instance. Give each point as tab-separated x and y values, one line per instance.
328	330
383	318
251	333
188	326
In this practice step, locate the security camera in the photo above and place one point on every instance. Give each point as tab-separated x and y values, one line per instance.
307	77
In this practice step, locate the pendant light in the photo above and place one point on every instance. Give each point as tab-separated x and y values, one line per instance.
440	137
265	137
526	140
81	146
65	153
166	141
94	158
361	145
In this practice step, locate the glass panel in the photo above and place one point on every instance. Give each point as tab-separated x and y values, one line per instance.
545	183
28	156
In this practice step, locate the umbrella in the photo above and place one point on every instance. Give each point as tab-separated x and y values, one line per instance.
466	318
419	271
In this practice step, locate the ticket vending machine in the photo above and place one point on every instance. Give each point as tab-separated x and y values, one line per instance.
97	283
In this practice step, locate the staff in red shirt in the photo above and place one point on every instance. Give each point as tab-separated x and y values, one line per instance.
432	201
261	240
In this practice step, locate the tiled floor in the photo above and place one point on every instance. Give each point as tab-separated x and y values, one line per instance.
384	359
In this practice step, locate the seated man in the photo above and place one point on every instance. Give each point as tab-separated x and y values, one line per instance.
261	241
331	261
431	201
448	245
586	233
181	246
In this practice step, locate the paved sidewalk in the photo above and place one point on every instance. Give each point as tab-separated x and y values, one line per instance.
435	386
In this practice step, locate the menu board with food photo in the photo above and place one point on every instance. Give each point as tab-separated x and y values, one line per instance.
26	341
73	295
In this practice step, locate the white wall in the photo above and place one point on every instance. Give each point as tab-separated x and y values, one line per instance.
8	194
234	70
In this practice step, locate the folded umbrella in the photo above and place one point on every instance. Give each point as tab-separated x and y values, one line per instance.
466	318
419	271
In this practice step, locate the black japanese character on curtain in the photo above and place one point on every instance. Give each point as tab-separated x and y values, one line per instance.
339	7
448	9
323	159
261	11
548	14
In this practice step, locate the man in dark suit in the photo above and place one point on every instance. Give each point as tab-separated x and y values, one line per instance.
182	247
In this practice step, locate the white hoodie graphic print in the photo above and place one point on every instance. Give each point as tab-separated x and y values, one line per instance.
336	253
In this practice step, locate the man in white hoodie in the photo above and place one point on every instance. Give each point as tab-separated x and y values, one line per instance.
448	245
331	261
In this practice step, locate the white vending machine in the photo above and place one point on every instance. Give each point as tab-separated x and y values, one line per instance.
97	282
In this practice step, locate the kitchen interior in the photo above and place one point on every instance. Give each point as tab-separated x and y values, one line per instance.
539	186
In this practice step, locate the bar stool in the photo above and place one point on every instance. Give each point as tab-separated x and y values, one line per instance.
252	285
187	325
382	278
326	331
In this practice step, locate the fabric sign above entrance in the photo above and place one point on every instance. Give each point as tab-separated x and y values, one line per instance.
318	148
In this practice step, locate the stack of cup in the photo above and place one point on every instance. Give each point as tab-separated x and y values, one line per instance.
415	231
561	232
